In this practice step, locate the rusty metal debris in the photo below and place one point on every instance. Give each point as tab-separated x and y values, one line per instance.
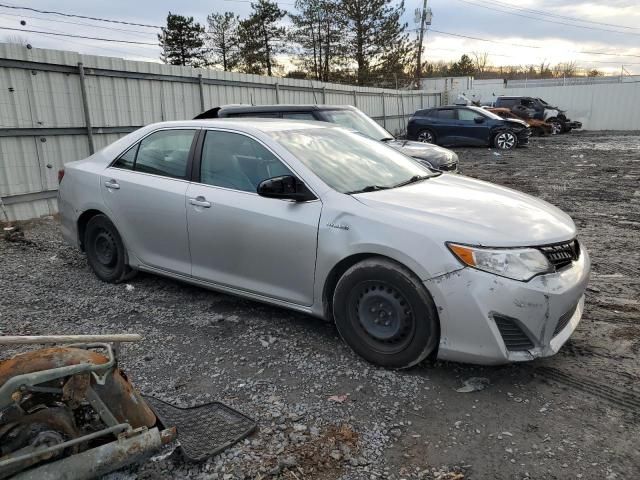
70	412
539	127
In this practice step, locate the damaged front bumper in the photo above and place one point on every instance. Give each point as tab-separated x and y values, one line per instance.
490	320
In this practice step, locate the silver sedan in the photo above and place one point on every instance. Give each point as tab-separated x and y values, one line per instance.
406	261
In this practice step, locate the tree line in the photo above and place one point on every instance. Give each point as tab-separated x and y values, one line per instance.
355	41
360	42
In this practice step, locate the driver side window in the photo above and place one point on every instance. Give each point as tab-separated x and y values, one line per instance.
469	115
232	160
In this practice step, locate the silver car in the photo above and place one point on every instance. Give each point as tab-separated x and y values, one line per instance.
406	261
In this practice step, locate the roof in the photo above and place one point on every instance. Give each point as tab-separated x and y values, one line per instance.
213	113
247	124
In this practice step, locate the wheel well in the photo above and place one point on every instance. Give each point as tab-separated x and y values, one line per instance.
82	224
345	264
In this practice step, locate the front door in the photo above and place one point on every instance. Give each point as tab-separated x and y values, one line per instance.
239	239
473	127
145	192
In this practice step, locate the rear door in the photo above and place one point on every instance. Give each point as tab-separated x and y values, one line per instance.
443	121
239	239
144	190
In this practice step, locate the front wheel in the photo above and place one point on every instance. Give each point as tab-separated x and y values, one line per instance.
385	314
106	254
557	126
505	140
426	136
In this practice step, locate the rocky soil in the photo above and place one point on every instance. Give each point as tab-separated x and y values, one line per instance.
324	413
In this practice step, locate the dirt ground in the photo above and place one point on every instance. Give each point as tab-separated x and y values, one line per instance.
575	415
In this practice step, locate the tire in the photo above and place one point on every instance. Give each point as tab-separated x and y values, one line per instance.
426	136
505	140
106	254
557	126
384	313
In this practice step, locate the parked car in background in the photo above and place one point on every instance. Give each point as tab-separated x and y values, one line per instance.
346	116
457	125
532	107
538	127
309	216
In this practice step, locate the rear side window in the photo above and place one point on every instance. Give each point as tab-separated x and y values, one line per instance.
446	114
163	153
128	159
506	102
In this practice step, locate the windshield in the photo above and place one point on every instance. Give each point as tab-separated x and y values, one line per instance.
357	121
486	113
349	162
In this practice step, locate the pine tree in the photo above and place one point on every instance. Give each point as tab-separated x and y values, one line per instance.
182	42
260	36
463	68
379	40
318	30
223	40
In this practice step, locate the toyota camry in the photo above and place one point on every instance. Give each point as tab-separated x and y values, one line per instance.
408	262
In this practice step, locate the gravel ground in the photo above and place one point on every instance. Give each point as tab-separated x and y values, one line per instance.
323	413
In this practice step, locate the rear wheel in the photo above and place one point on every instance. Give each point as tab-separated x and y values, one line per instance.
426	136
106	254
384	313
505	140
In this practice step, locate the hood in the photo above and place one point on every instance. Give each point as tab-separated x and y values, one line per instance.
521	123
432	153
464	210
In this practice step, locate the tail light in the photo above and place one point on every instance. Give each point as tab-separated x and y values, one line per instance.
60	175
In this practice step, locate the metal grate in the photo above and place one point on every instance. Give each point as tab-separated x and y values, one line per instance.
512	335
564	320
561	254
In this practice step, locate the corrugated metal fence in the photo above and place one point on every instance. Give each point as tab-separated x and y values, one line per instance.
59	106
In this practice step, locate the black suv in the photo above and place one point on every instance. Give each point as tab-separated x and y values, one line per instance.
346	116
532	107
467	126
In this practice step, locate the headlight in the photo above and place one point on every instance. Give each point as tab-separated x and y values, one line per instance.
516	263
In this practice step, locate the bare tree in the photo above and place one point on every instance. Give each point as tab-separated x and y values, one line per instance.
569	69
481	61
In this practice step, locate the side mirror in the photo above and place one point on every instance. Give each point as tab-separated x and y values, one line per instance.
479	119
286	187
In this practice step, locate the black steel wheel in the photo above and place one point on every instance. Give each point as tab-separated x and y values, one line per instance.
384	313
106	254
426	136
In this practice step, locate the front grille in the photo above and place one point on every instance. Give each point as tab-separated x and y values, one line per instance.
562	254
449	167
512	335
564	320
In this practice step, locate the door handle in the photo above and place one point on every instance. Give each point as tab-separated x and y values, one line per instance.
112	184
200	202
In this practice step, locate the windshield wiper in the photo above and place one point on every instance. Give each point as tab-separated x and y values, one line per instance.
414	179
368	188
387	139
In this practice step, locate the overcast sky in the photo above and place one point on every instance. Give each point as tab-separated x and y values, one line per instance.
557	43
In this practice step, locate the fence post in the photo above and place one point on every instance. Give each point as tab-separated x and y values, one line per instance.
277	93
355	98
384	112
201	88
324	95
421	100
85	108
